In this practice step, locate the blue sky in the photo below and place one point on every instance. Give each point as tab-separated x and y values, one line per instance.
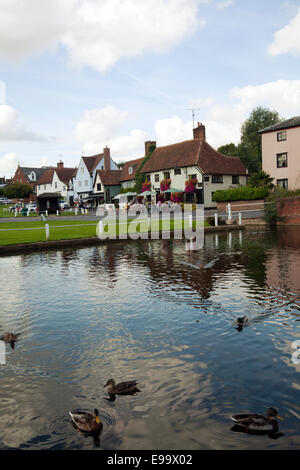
77	75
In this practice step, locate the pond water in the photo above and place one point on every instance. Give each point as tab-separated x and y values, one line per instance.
147	311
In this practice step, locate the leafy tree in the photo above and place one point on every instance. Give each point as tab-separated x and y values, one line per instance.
18	190
261	178
250	138
231	150
249	149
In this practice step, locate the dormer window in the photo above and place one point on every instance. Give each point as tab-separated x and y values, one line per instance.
130	170
32	176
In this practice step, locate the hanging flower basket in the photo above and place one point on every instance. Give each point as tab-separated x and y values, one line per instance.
176	197
146	186
190	185
165	184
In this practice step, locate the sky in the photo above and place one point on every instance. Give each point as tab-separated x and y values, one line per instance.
77	75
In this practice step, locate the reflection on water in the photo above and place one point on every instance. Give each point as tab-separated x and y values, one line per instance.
153	312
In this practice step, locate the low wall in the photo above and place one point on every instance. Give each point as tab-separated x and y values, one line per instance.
254	205
289	209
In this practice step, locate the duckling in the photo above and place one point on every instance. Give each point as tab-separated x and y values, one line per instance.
122	388
85	421
255	422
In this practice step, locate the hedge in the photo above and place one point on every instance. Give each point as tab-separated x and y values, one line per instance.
240	194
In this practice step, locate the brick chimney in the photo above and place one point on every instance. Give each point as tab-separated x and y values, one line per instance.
149	144
60	165
199	132
106	152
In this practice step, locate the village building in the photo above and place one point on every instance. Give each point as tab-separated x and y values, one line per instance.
84	180
280	153
196	164
56	180
29	175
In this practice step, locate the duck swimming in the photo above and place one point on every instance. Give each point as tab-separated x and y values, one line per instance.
241	322
258	423
122	388
10	338
85	421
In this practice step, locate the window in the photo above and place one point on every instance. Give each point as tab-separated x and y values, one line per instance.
281	160
235	179
192	177
130	170
167	175
148	178
98	186
156	177
281	136
206	178
177	171
217	179
64	188
283	183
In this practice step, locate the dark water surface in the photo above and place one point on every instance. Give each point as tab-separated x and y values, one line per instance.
147	311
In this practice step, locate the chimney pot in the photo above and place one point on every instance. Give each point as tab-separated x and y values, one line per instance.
199	132
148	144
60	165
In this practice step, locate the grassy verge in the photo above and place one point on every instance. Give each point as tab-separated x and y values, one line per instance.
11	233
4	212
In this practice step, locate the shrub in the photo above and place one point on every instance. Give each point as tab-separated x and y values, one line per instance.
240	194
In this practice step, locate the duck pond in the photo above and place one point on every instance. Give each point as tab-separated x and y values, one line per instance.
153	312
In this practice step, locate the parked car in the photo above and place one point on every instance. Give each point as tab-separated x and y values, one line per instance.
64	205
3	200
32	207
16	207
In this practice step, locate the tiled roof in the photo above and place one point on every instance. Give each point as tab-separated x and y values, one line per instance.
190	153
293	122
134	164
47	177
109	177
65	174
92	162
38	171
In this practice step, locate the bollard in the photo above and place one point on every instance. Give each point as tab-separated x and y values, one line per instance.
216	219
57	212
229	239
240	237
86	212
191	220
100	227
16	213
240	218
76	211
27	214
217	240
46	213
229	211
82	210
47	231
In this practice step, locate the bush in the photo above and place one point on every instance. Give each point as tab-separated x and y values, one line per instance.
18	190
240	194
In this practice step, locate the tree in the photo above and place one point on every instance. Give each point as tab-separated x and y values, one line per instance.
231	150
18	190
261	179
250	146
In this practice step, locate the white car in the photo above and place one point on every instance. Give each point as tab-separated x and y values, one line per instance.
32	207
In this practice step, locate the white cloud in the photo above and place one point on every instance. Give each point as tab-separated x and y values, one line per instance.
12	128
223	123
8	164
100	127
287	39
31	27
172	130
223	5
96	33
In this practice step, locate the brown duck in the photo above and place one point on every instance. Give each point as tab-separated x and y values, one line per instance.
255	422
122	388
85	421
